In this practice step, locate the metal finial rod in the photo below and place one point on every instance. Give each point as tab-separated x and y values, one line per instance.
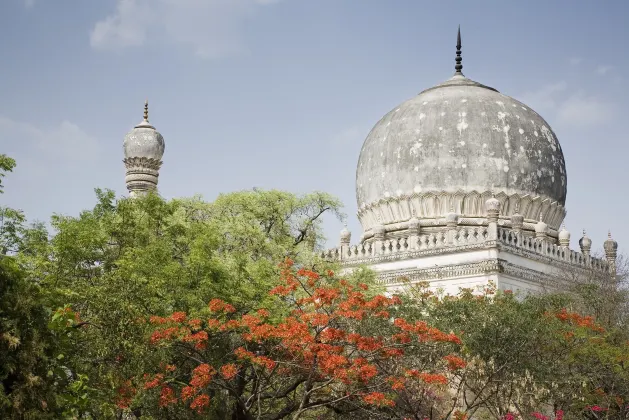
146	110
459	60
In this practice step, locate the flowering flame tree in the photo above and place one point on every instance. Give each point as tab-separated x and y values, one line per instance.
326	346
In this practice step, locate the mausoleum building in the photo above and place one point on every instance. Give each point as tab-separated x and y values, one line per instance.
458	186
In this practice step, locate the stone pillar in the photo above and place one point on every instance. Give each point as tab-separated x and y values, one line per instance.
378	236
517	221
492	206
564	237
541	229
413	233
611	249
346	237
452	220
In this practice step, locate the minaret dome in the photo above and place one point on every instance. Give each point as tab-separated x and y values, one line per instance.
143	151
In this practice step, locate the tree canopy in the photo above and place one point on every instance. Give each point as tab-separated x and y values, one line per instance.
177	309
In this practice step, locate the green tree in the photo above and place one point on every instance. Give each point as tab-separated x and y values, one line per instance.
126	259
6	165
531	353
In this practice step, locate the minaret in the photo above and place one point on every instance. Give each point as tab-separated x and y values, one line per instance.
143	151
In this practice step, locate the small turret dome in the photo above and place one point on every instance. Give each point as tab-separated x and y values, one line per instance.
144	141
610	246
541	227
585	244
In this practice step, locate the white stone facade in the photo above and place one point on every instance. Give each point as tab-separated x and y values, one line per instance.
464	257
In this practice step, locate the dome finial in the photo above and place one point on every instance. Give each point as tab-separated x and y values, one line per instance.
146	110
459	66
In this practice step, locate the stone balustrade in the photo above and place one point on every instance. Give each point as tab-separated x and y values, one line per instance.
460	238
547	249
408	243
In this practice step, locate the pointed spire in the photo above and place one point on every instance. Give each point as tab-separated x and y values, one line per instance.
146	110
459	66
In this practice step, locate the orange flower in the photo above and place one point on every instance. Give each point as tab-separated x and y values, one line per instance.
167	397
229	371
378	399
202	375
454	362
178	316
217	305
199	403
187	392
155	382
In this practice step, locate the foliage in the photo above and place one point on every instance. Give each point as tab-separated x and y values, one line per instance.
26	347
7	164
530	353
127	259
324	346
76	326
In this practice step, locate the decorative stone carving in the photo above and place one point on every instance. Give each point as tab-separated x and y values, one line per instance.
585	244
564	237
394	212
346	236
541	228
142	174
611	248
517	220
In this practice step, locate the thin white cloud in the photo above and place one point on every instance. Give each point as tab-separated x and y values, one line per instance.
53	163
211	28
582	110
603	70
65	141
569	108
546	98
575	61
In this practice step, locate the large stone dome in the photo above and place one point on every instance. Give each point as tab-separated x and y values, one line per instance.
449	149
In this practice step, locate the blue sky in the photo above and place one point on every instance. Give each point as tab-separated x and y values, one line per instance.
281	94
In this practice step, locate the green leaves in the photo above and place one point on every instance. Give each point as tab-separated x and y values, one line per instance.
6	165
127	259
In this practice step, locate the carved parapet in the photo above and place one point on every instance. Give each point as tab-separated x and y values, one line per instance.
142	174
543	248
405	245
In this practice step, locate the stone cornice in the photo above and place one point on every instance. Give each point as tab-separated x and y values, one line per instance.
441	272
430	207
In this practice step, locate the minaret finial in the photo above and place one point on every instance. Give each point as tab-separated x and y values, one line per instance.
459	66
146	110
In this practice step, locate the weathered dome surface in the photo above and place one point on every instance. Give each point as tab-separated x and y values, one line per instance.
454	140
144	142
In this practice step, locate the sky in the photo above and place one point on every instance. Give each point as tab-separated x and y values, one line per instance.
280	94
